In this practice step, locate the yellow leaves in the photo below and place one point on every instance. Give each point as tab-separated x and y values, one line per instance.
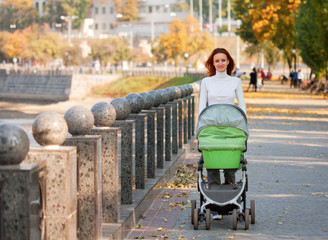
167	195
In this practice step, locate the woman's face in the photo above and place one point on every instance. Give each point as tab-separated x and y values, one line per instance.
220	62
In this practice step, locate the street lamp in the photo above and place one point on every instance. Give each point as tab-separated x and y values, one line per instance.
69	28
238	45
186	55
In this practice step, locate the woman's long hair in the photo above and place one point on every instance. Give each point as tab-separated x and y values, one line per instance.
210	66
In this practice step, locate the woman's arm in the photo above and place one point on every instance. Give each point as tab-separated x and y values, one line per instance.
240	96
202	97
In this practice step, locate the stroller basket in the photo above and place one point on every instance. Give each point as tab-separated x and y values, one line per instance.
222	135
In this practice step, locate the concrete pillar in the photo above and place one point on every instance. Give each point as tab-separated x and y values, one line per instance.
89	184
189	117
139	149
185	120
174	127
20	201
160	111
126	159
168	132
110	173
151	115
58	184
180	122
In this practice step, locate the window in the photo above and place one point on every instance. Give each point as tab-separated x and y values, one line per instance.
96	26
37	6
111	10
104	10
103	26
96	10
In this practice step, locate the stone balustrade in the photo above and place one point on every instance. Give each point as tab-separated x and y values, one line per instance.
89	162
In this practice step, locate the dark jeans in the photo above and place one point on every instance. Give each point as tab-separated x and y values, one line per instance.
213	176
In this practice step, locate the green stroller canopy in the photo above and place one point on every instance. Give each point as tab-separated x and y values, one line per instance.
222	115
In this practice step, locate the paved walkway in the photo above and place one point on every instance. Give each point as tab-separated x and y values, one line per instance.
288	166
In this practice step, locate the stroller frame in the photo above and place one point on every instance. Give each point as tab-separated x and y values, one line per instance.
224	199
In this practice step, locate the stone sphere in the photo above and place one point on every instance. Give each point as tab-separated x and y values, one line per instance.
196	87
136	102
177	92
164	95
104	114
157	97
171	93
122	107
183	91
49	128
14	144
187	89
191	89
79	120
148	100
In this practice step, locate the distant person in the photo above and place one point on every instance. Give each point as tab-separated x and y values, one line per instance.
291	77
268	76
283	79
253	80
300	78
295	78
259	79
262	76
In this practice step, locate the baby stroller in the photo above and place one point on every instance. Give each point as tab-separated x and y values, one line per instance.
222	134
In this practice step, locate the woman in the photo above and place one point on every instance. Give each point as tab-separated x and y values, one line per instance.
220	87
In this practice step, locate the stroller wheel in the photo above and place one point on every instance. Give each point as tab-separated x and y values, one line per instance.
247	219
195	217
234	219
193	207
208	219
252	211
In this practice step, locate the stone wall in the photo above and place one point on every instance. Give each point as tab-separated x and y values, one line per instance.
49	87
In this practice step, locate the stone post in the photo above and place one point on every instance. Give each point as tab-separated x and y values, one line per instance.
20	201
126	158
110	173
20	205
193	115
139	149
160	136
189	117
89	184
58	184
185	120
151	115
180	121
168	133
174	127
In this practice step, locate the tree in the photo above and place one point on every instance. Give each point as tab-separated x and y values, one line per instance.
56	9
13	44
129	9
43	46
312	35
184	37
271	20
113	50
17	14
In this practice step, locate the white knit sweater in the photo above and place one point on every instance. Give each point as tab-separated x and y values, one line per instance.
221	88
